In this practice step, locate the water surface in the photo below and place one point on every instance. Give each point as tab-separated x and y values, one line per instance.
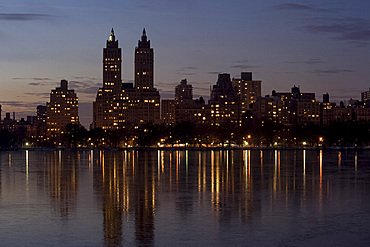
182	198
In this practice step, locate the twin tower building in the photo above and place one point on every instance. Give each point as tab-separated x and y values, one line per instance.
119	104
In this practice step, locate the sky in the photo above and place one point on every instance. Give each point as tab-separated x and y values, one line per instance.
322	46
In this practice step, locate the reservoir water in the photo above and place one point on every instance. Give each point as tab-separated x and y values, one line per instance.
185	198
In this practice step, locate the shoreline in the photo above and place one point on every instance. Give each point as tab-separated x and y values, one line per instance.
185	148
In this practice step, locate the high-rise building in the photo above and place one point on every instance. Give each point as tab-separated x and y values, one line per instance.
144	64
120	104
365	95
168	111
41	113
146	98
183	91
183	108
112	65
248	89
61	110
112	84
224	102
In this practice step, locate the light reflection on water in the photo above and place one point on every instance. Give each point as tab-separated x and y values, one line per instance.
147	198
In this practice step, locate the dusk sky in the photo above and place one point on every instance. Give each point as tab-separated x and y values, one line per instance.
322	46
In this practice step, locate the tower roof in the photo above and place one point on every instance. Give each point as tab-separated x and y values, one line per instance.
112	37
144	42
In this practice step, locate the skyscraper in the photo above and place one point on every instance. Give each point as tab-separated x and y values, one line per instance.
224	102
183	92
61	110
120	104
145	95
103	116
144	64
248	89
112	65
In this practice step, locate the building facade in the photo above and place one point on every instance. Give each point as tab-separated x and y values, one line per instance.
224	102
61	110
120	104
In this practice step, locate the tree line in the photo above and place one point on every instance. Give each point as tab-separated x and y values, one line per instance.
265	134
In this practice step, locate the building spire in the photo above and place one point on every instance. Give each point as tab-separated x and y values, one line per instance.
112	37
144	32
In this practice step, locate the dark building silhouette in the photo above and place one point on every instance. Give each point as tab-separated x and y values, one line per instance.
184	108
112	83
144	64
183	92
61	110
325	98
120	104
224	102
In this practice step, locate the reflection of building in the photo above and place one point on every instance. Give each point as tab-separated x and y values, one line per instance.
61	110
110	188
125	189
63	182
144	198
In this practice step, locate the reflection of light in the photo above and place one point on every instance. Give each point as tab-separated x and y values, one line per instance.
275	170
227	160
162	161
27	168
10	160
177	166
356	161
320	194
339	158
91	158
187	162
170	170
304	172
212	171
199	170
320	168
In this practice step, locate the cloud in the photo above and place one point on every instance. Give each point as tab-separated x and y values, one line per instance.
292	6
333	71
298	7
40	95
85	86
349	29
243	64
313	61
16	103
188	70
23	17
240	66
84	78
213	73
34	78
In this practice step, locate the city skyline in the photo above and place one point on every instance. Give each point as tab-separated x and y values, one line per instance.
321	47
